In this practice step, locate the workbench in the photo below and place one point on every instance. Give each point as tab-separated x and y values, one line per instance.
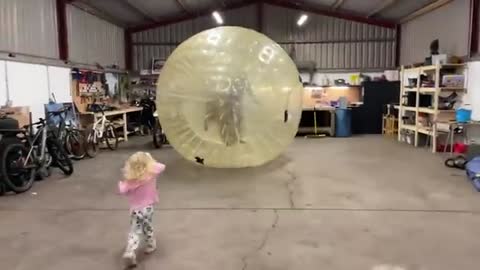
310	128
123	112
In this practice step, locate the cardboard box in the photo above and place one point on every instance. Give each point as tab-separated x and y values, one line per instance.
453	80
439	59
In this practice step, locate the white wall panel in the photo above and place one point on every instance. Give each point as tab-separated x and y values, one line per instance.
32	92
29	27
472	98
59	82
449	24
3	84
93	40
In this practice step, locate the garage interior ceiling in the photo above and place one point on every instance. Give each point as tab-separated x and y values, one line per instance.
134	13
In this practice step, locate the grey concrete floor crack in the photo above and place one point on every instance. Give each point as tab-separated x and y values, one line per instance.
289	184
264	241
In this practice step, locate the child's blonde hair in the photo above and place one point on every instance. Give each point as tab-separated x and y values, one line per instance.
138	166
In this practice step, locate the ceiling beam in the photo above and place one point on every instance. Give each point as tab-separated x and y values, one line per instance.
337	4
188	16
386	4
428	8
62	29
137	11
182	6
325	11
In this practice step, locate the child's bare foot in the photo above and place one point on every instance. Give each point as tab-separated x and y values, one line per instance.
130	260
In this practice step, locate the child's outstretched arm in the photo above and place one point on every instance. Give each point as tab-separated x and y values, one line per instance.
123	187
159	168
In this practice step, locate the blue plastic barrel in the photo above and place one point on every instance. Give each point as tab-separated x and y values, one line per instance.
343	122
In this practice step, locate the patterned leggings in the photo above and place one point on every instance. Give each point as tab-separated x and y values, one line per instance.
140	225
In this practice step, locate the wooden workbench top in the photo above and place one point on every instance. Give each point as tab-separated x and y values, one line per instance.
116	112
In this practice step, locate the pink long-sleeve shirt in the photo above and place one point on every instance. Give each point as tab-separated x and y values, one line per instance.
142	193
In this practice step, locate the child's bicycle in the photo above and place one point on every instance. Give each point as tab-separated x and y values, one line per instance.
102	130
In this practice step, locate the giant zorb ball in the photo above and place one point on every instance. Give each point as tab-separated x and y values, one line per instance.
229	97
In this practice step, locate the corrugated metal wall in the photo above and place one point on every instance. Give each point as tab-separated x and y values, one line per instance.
332	43
92	40
160	42
29	27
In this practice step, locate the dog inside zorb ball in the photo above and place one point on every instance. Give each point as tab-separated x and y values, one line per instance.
229	97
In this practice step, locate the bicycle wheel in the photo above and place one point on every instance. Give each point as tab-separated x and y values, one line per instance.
75	144
59	156
92	147
17	172
3	189
110	137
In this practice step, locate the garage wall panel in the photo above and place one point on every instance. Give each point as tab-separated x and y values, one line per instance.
178	32
449	24
29	27
160	42
32	92
59	83
332	43
3	83
93	40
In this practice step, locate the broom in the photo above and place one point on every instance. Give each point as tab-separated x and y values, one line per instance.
315	128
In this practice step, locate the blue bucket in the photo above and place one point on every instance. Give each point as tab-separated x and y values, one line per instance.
463	115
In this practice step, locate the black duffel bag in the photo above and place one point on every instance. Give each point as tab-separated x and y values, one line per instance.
8	123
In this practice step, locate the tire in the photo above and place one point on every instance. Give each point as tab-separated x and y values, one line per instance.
60	157
158	139
3	189
75	144
110	137
43	173
48	159
17	175
92	147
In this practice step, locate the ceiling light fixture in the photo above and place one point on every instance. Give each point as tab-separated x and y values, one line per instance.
218	18
302	19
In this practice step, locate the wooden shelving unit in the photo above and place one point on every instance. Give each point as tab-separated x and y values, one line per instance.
433	112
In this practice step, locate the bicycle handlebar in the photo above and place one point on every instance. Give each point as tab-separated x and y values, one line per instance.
63	110
59	112
40	122
100	107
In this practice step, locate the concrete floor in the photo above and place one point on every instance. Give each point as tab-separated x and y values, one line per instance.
359	203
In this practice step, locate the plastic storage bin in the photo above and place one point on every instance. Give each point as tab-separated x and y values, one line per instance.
463	115
343	122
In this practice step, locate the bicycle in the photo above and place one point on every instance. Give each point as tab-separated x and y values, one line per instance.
36	152
72	139
101	130
8	136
